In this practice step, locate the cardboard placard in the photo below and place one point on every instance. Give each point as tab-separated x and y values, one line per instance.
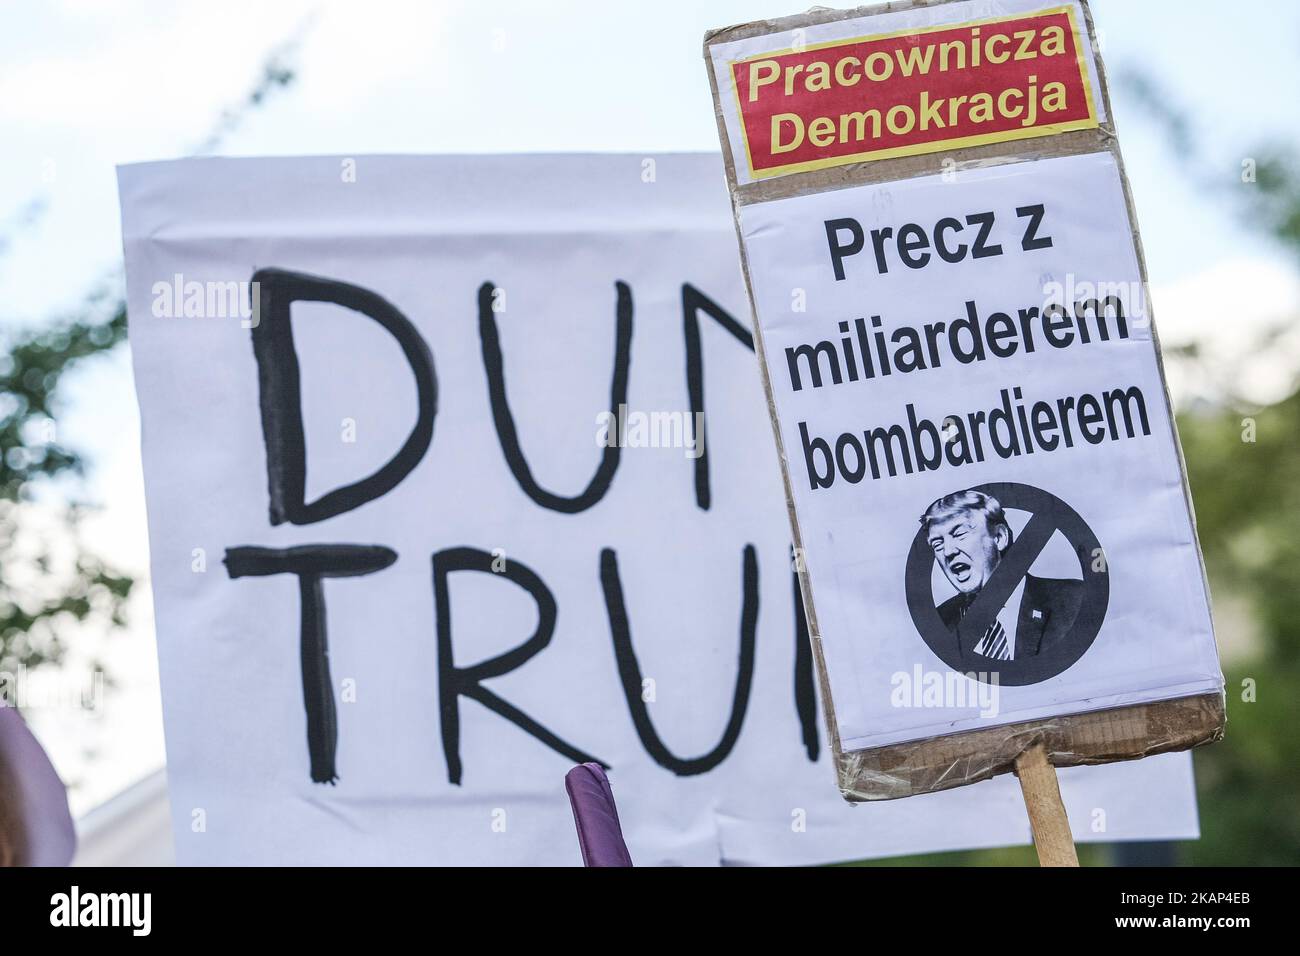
980	461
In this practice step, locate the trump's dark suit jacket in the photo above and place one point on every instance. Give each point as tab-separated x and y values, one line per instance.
1048	607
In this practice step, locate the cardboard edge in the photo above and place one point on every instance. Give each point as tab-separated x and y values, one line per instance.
1103	736
941	763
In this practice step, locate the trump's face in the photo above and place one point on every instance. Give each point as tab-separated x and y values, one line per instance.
966	551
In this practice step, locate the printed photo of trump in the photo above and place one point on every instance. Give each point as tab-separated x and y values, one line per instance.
969	535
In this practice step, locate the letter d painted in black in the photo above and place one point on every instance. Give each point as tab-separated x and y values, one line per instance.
281	394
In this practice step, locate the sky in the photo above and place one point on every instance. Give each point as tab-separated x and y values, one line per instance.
86	85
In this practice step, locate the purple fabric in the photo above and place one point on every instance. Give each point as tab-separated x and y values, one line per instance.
600	838
47	837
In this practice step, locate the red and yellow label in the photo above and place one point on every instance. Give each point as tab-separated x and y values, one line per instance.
919	91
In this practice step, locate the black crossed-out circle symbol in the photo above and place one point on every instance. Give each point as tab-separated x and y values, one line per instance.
1049	514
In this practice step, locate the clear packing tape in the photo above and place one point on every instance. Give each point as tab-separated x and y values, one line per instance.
1105	736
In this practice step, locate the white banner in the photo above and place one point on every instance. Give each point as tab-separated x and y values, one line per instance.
430	524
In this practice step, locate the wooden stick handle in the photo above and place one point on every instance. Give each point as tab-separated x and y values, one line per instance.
1052	837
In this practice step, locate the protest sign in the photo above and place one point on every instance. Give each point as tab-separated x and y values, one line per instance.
438	520
980	459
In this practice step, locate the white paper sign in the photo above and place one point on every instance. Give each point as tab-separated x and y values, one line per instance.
411	438
980	449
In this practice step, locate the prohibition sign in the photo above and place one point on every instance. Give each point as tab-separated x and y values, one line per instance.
1049	515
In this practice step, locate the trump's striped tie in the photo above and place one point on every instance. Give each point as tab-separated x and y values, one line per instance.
994	643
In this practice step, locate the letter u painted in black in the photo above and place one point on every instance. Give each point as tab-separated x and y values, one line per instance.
493	365
629	670
312	563
455	682
281	394
693	303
